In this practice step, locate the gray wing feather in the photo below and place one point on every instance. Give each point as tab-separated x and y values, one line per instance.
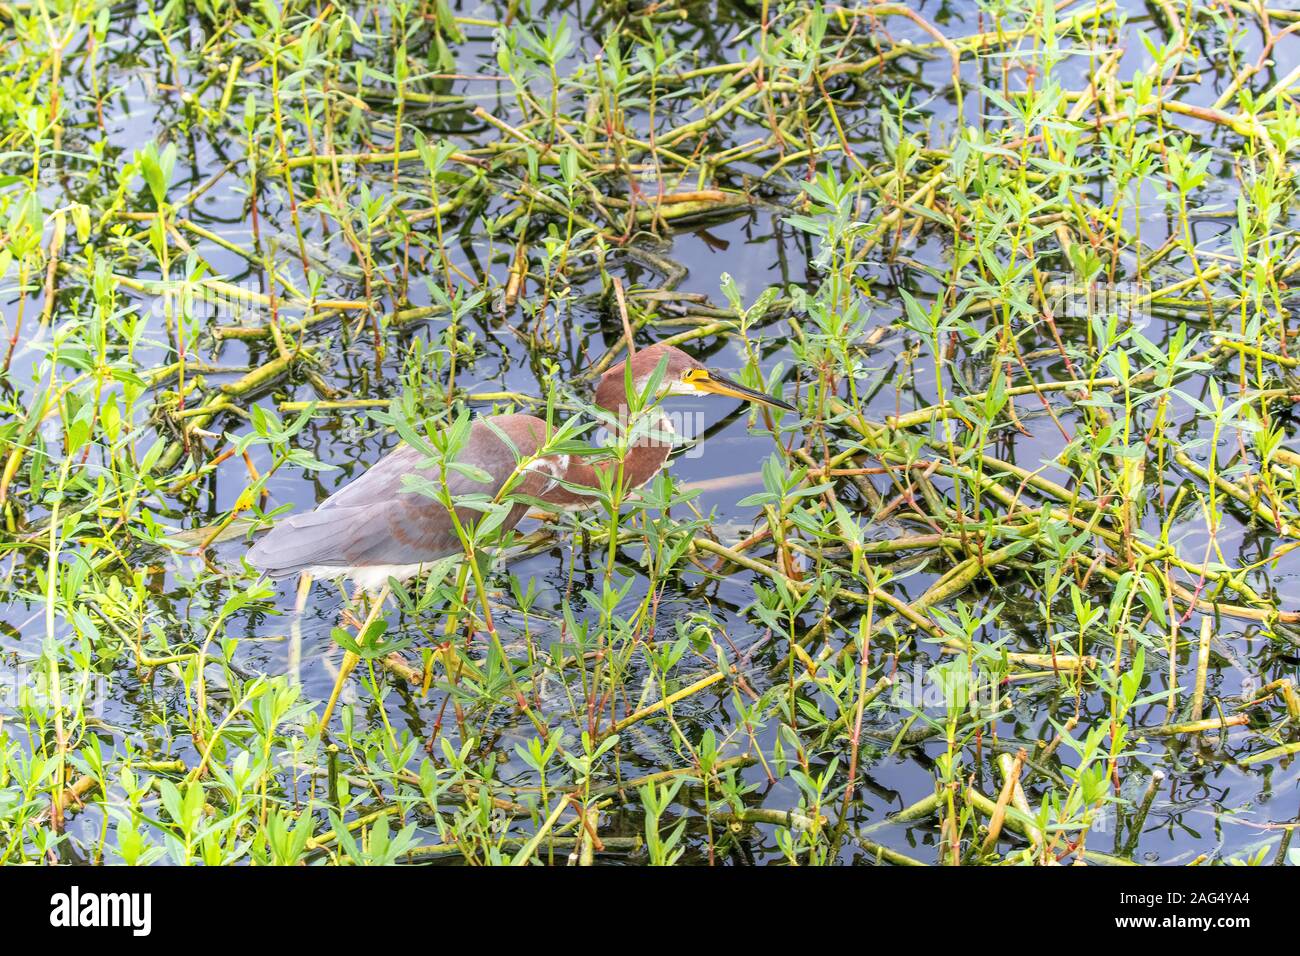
373	521
315	538
381	480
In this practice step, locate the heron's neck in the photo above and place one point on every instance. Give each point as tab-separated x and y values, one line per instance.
643	459
648	449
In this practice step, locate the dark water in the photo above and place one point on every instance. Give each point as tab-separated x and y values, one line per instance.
1207	805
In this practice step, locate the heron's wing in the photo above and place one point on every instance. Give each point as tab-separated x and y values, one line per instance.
373	521
384	476
328	537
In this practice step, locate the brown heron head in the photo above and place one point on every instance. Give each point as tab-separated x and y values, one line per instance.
682	375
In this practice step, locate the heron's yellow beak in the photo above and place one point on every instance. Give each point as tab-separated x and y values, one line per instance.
715	383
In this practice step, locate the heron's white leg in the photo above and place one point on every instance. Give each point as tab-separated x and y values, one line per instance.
295	630
304	589
350	659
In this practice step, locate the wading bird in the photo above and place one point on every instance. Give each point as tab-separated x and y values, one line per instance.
373	528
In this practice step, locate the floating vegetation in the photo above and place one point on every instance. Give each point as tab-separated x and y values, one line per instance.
1015	584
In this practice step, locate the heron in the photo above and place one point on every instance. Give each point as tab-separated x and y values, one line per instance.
375	528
